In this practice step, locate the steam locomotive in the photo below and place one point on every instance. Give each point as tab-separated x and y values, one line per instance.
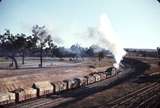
43	88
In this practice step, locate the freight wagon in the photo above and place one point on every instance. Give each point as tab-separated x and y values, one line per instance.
25	94
59	86
42	88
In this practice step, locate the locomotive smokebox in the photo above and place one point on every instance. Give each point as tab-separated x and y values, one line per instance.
113	70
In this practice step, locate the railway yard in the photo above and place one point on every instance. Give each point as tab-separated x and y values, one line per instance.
135	84
79	54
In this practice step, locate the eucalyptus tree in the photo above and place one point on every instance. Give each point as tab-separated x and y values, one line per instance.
44	39
8	45
20	44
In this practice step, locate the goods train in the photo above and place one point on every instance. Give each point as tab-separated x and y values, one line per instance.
43	88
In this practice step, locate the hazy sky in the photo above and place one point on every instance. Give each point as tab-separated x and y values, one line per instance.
136	22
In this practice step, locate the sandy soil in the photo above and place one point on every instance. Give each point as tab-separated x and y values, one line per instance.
26	76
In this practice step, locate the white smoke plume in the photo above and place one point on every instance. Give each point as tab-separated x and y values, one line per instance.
108	39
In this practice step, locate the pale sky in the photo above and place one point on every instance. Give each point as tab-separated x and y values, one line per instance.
136	22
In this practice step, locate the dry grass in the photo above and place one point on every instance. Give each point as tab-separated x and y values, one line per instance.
24	78
11	79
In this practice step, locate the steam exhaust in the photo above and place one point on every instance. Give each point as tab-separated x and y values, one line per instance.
108	39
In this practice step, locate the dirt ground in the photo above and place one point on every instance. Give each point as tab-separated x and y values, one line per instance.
100	99
24	77
11	79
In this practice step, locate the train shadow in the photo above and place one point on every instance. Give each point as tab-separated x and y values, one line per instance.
147	78
81	93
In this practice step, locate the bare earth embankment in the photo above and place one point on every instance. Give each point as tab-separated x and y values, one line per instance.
104	98
98	95
24	77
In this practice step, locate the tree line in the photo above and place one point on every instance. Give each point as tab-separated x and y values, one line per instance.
39	43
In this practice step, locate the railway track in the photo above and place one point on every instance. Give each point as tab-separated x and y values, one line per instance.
55	103
135	98
43	102
151	101
54	100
